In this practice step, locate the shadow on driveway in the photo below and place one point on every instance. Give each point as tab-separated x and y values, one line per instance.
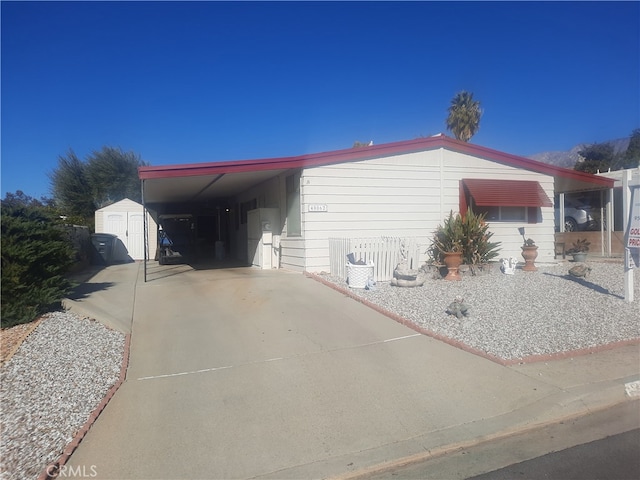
83	290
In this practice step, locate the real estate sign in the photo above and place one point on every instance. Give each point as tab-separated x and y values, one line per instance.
633	226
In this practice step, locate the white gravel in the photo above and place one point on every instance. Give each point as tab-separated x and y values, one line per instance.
49	388
521	315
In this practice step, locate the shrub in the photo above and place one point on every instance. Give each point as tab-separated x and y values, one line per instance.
579	246
476	247
36	254
469	234
448	237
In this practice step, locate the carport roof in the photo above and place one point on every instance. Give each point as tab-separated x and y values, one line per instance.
200	182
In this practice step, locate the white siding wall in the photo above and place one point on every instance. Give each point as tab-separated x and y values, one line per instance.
543	232
393	196
406	196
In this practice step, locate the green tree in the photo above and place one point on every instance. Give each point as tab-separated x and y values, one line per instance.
113	175
36	254
464	116
631	158
109	175
597	157
71	188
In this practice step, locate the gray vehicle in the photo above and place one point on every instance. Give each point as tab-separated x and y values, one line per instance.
577	216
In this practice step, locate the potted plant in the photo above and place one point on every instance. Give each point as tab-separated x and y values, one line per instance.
529	253
579	250
446	245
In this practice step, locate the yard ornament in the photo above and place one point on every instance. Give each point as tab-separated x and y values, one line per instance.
508	266
580	271
458	308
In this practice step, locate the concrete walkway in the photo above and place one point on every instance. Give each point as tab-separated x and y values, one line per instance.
243	373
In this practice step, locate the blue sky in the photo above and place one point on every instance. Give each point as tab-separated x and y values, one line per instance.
182	82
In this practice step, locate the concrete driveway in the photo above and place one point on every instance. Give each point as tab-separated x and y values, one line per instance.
243	373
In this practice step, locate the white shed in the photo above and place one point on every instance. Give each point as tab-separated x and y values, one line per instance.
125	219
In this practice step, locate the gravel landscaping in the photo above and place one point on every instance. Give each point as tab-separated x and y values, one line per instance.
50	387
67	364
522	315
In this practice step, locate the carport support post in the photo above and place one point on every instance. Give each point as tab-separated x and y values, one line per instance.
145	230
561	214
626	208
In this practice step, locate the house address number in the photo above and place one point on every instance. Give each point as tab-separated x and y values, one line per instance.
318	207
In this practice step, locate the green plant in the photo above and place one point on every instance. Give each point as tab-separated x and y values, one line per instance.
529	243
36	254
469	235
448	237
579	246
477	246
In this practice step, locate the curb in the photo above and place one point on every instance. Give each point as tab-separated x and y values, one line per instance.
444	450
466	348
52	470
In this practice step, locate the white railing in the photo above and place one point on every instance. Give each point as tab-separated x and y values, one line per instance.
384	252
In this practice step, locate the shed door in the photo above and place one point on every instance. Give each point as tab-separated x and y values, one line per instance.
135	243
129	228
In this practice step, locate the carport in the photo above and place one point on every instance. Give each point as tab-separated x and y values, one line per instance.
203	192
572	182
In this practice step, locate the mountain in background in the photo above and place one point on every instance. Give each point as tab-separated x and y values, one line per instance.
568	159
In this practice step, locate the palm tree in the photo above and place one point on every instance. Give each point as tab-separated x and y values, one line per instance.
464	116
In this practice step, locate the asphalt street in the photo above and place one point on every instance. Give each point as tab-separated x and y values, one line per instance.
616	457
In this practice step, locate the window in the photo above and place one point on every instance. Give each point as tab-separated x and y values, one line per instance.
502	213
504	200
293	205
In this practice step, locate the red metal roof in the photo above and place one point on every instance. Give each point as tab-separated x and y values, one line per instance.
363	153
515	193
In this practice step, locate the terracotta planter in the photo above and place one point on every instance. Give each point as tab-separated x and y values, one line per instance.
453	260
530	253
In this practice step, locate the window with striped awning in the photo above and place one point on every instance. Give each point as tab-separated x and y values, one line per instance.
504	200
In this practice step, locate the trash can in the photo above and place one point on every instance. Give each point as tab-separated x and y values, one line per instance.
103	248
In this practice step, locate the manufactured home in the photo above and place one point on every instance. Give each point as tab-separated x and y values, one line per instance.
284	212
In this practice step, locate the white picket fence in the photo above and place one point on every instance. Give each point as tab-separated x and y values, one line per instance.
384	252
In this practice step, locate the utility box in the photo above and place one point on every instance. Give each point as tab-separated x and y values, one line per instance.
262	225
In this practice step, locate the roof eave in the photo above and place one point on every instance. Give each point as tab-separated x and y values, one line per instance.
364	153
